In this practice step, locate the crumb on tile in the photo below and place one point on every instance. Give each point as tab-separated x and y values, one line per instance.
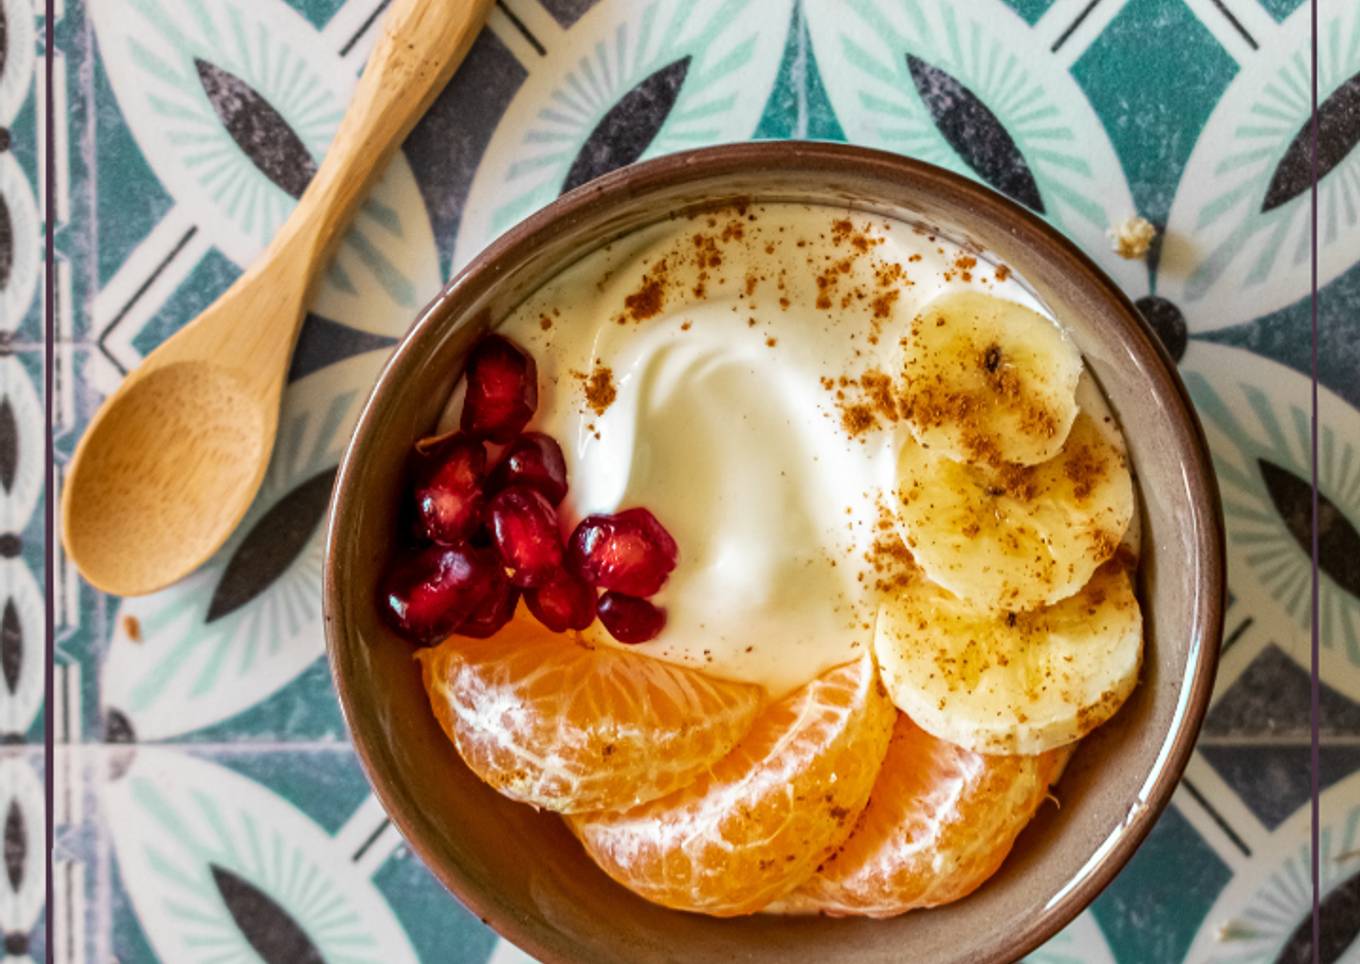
1132	238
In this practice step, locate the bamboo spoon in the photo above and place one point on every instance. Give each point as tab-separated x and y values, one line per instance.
170	463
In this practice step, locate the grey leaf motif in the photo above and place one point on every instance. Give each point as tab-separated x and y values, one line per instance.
1167	321
1340	913
1338	131
975	133
1338	541
16	845
117	727
258	129
272	544
269	929
6	237
9	445
323	342
11	645
624	132
4	47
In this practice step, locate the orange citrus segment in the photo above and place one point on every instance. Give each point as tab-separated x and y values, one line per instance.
762	819
939	822
552	721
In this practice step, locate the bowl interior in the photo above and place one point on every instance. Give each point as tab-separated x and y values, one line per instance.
521	870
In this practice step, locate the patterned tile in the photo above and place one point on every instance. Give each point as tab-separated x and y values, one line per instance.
20	217
22	543
1154	125
1134	914
22	891
22	436
175	854
208	803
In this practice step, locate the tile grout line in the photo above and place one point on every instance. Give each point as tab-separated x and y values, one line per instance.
49	451
1300	740
1315	635
243	747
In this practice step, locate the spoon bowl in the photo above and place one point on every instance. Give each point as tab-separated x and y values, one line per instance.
171	461
170	469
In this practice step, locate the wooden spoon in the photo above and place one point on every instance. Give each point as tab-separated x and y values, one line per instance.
170	463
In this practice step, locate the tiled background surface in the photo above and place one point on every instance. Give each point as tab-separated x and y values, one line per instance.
22	461
208	806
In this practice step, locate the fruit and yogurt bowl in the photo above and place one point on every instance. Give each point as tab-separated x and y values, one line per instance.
780	547
782	550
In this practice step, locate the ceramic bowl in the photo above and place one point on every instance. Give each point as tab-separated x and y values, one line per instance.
520	870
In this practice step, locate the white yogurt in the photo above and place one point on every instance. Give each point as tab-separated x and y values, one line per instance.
723	426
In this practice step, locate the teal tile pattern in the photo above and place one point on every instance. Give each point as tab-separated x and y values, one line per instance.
1031	10
130	201
1279	9
23	503
208	803
1139	922
1152	123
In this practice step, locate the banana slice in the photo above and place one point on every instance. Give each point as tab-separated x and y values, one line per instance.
1017	683
988	380
1014	537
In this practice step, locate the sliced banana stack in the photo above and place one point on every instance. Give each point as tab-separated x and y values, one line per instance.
988	380
1020	631
1012	538
1017	682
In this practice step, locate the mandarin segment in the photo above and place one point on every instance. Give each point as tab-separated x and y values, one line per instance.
765	816
552	721
939	822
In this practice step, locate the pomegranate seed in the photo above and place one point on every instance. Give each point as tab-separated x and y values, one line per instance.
629	619
428	595
502	390
495	609
563	601
629	552
524	525
535	460
448	488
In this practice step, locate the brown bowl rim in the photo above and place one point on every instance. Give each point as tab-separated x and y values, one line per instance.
519	242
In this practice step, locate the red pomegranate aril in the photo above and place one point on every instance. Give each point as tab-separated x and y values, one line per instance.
502	390
427	596
562	601
494	611
629	619
535	460
628	552
524	526
448	489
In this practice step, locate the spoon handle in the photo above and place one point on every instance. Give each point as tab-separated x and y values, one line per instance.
422	43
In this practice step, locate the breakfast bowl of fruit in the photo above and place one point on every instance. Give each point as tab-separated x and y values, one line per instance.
776	552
